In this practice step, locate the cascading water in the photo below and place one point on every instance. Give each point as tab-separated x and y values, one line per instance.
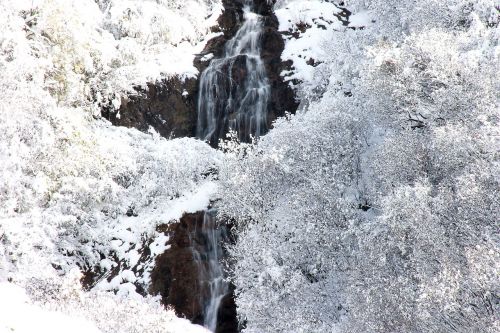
234	95
234	90
208	257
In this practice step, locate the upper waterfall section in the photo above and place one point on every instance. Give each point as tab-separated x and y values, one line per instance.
170	105
234	90
241	89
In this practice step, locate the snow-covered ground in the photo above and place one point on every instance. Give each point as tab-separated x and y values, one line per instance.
75	311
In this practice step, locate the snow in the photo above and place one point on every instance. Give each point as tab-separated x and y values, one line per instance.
169	38
99	50
361	19
313	23
207	57
68	180
311	12
159	245
309	28
18	314
79	313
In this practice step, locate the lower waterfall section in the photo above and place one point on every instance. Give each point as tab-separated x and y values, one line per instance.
208	255
190	275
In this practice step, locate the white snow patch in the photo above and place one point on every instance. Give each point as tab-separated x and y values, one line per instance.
207	57
159	245
361	19
314	22
18	314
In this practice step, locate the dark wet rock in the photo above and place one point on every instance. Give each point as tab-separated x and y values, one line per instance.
227	318
264	7
175	275
283	97
168	106
231	18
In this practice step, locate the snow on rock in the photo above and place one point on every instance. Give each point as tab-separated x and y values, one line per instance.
309	28
361	19
307	24
312	13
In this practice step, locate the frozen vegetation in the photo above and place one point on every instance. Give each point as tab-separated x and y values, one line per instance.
69	180
374	209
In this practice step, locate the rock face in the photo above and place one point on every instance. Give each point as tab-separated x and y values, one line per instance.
227	318
283	98
176	275
170	105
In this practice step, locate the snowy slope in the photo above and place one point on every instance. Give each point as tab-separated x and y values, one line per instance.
78	312
75	192
375	208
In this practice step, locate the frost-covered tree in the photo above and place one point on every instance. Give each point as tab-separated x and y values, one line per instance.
293	191
377	209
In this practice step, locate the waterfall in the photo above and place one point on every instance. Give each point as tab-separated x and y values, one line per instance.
207	255
234	95
234	90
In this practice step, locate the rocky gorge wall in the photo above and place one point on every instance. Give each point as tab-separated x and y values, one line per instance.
175	276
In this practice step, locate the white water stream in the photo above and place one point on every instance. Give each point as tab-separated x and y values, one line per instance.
211	273
226	104
234	95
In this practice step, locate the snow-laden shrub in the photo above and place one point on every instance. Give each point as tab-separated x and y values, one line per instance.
292	196
94	53
68	182
397	233
75	192
396	19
